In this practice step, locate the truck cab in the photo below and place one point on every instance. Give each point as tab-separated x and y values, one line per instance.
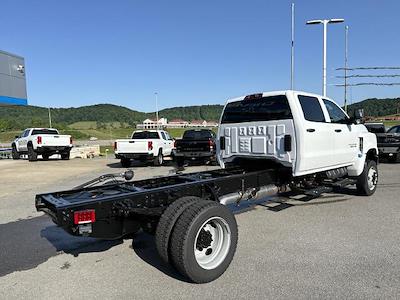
305	132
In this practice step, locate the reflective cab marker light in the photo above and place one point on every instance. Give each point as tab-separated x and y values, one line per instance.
39	139
84	216
150	145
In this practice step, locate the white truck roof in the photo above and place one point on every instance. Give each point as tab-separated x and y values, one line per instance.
274	93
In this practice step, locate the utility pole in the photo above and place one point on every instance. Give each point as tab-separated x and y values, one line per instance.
156	94
325	25
49	116
345	66
292	53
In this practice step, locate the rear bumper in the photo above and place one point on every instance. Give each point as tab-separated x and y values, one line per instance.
52	149
387	149
199	154
140	156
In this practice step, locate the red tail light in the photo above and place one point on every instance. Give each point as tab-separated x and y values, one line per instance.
174	143
150	145
211	144
70	140
39	139
115	146
85	216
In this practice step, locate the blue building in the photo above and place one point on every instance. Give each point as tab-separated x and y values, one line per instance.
12	79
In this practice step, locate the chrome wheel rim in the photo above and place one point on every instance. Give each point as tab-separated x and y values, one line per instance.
372	178
212	243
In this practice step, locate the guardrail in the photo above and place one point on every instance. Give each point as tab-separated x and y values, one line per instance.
5	153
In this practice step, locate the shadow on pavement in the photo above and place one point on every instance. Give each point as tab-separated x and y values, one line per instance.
144	246
25	244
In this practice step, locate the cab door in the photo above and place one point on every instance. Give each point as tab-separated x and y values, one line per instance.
23	141
168	143
315	142
345	137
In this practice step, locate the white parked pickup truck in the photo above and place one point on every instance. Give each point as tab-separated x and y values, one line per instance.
41	141
307	133
144	145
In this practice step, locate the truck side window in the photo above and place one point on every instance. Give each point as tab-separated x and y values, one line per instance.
395	129
26	133
311	109
335	113
163	136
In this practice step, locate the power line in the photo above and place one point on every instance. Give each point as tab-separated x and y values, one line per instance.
369	83
369	76
368	68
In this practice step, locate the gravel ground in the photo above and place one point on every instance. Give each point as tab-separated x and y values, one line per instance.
336	246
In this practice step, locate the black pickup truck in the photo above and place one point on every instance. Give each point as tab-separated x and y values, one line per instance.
388	142
195	145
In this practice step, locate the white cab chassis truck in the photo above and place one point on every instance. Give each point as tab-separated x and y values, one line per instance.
144	145
267	143
41	141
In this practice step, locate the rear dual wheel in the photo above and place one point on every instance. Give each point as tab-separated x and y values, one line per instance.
202	241
14	152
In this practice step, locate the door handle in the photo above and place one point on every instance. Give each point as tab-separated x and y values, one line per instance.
310	130
338	130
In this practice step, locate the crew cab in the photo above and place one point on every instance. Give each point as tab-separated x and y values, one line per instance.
145	145
41	141
196	144
266	143
305	132
388	142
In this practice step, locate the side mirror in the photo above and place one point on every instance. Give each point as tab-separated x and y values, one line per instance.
17	136
358	116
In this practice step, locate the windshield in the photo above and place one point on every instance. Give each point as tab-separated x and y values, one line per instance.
255	110
44	131
143	135
197	135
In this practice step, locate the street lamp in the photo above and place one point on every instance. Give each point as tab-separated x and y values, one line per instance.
325	23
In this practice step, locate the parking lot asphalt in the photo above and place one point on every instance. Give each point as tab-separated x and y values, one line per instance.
336	246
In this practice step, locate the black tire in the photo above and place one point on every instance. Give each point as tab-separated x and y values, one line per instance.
14	153
159	159
167	222
32	155
65	156
125	162
180	161
45	156
189	226
368	179
395	158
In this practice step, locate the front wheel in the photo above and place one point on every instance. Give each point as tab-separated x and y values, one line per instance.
368	179
159	160
203	241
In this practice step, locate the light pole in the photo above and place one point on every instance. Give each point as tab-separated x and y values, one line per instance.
49	116
325	24
156	94
345	66
292	53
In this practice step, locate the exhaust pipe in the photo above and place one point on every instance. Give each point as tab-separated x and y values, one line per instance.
251	194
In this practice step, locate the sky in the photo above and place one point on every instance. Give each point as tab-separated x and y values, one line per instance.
192	52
